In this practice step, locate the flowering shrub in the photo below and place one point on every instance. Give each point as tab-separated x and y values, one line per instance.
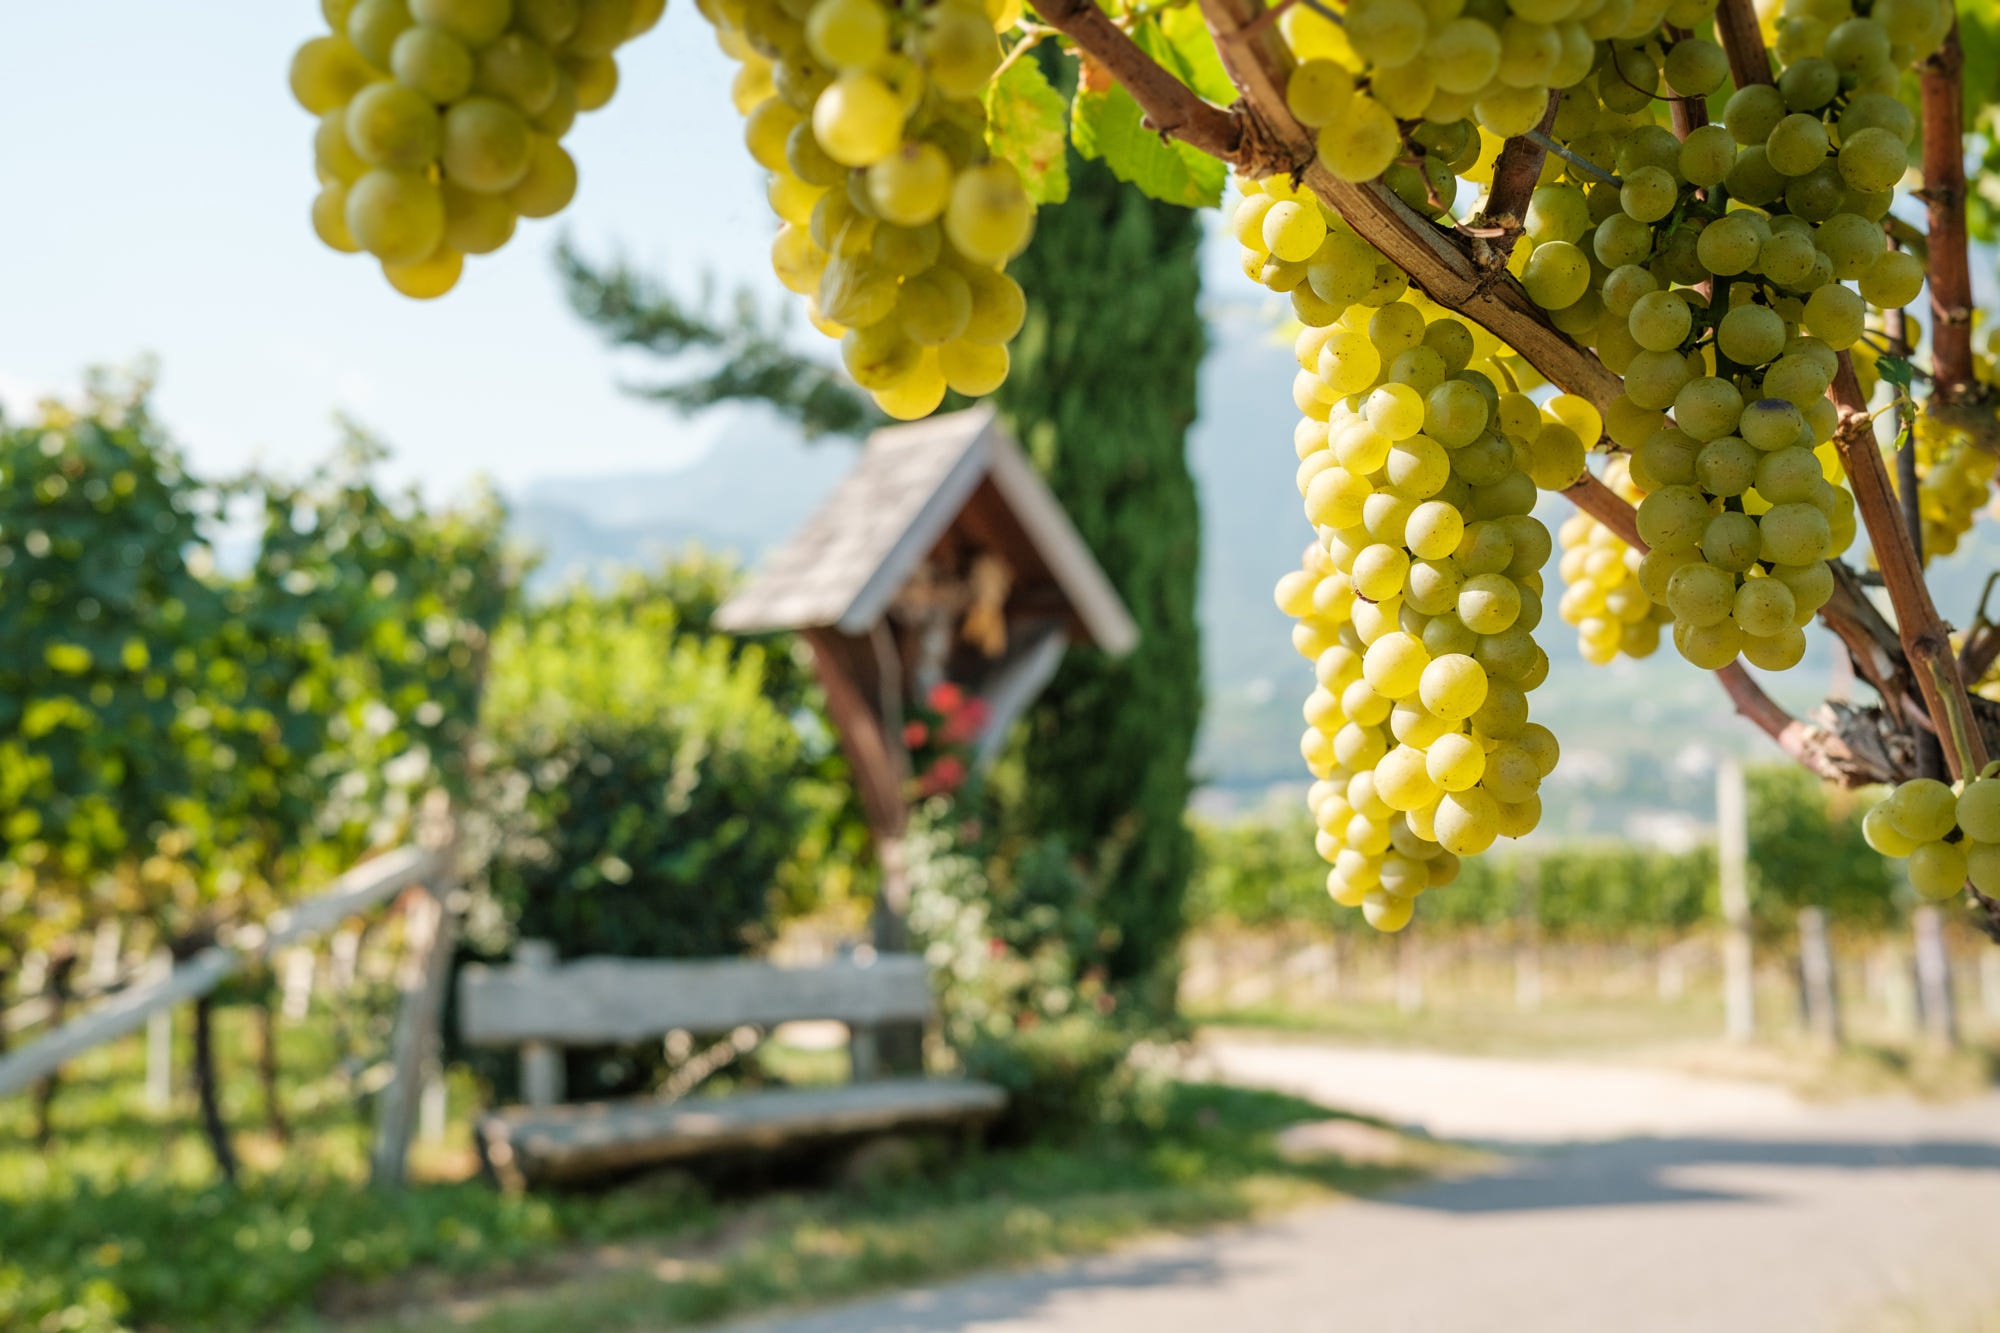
940	734
1010	942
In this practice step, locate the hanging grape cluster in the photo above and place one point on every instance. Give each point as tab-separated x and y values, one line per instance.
1417	603
897	222
1602	595
440	121
1948	833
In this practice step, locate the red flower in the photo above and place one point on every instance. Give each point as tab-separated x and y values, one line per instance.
965	724
915	734
946	697
948	772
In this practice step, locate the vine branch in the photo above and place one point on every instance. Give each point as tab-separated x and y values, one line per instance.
1516	172
1943	102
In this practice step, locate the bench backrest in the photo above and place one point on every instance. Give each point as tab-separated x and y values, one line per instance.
599	1001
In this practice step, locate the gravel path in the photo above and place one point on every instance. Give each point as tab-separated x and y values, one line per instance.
1678	1204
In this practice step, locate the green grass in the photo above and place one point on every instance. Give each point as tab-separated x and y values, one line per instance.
122	1225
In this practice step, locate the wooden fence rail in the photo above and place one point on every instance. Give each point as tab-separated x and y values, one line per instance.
128	1010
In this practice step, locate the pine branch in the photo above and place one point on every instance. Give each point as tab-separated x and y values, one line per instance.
744	354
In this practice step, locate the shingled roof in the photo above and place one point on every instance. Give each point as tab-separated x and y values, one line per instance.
844	567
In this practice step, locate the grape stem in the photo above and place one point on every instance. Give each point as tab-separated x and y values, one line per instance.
1943	104
1516	172
1743	42
1926	641
1259	138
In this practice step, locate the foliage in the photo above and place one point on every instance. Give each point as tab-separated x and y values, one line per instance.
1112	283
1806	850
747	356
1006	930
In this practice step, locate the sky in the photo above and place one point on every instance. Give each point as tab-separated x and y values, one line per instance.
158	176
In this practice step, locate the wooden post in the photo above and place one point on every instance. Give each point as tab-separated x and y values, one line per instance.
160	1039
1934	999
433	1106
1819	990
431	932
296	977
343	957
1989	983
1732	845
1528	945
541	1063
102	974
1409	973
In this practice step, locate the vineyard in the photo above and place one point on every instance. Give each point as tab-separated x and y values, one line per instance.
1642	327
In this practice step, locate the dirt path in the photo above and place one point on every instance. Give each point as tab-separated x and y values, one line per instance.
1677	1204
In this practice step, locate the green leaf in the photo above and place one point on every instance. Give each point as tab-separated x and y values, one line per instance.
1183	43
1895	370
1107	124
1024	125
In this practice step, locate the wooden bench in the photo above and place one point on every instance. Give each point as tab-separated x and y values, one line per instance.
541	1007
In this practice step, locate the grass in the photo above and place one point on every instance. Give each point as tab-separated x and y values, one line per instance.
120	1224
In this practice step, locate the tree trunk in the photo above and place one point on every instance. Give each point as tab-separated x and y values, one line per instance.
57	988
1112	284
208	1090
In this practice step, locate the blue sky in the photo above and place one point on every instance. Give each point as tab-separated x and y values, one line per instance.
158	177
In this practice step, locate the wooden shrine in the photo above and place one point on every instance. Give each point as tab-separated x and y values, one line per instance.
942	557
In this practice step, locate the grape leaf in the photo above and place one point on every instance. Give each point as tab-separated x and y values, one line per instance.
1106	123
1183	43
1895	370
1024	125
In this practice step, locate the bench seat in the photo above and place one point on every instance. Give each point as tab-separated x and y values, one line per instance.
554	1144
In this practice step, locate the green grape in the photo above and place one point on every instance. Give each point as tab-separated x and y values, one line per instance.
1752	112
1809	84
1293	231
1726	466
1654	378
858	119
1696	67
934	307
334	159
1923	809
1396	410
958	48
1836	315
916	395
434	63
326	73
1937	870
1729	245
1454	761
1556	213
479	224
1700	595
1764	607
397	216
1396	328
1893	280
1648	195
848	34
474	22
1867	111
1795	534
1319	92
329	218
1798	380
1418	467
1623	287
879	356
550	182
912	185
908	251
1978	810
1751	335
1732	541
487	145
1620	239
1707	156
1666	459
1753	180
1362	143
1453	687
1710	647
1812	587
519	69
1379	571
1788	259
392	127
601	26
429	278
1787	476
1489	603
1879	831
990	216
548	21
1796	144
374	25
1708	408
1851	242
1454	413
1557	459
1659	320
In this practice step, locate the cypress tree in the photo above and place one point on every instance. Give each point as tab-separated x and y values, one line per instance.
1101	395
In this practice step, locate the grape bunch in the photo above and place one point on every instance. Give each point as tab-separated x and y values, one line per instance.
441	121
1950	834
1418	601
896	221
1602	594
1955	479
1490	65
